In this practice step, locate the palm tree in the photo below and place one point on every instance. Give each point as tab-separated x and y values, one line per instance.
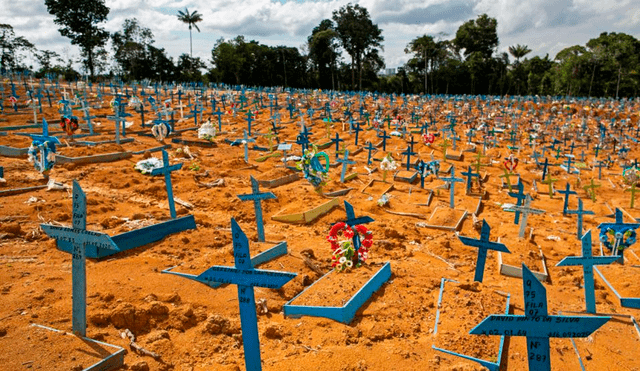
519	51
191	19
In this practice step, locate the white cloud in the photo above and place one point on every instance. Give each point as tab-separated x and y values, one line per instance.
545	26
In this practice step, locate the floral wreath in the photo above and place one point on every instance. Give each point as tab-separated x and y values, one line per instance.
428	138
44	159
69	124
344	254
312	169
626	238
631	175
510	163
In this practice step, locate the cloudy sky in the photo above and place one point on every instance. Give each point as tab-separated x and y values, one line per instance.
545	26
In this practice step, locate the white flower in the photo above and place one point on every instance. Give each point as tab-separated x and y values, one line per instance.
342	260
349	264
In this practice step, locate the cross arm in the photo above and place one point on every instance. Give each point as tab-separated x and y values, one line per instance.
586	260
73	235
540	326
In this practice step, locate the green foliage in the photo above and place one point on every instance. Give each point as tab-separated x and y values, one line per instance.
358	35
11	47
478	36
79	21
323	53
191	19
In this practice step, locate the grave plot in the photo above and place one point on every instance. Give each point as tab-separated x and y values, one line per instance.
444	218
618	342
56	347
460	307
523	251
14	145
622	281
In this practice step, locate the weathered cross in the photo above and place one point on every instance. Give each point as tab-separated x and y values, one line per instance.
507	176
257	198
370	147
537	325
345	162
525	210
470	175
384	138
452	180
166	169
591	190
80	238
567	192
633	191
549	181
587	261
408	153
483	244
580	212
246	277
520	196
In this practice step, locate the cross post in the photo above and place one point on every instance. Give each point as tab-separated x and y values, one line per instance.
166	170
483	245
257	198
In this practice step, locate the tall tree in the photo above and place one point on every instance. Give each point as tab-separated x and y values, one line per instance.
11	46
323	52
423	48
79	21
478	35
518	51
130	47
358	35
191	19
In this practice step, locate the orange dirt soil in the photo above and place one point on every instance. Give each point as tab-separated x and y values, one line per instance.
193	327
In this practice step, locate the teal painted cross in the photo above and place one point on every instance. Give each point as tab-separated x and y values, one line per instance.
166	170
452	180
80	238
580	212
246	278
345	162
257	198
567	192
483	244
537	325
587	261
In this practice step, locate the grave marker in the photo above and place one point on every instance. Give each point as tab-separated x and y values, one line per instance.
345	162
483	244
537	325
166	170
580	212
452	180
246	278
567	192
520	196
80	238
525	210
587	261
257	198
353	221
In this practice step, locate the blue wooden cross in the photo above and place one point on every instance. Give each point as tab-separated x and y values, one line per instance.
303	140
357	129
246	277
80	238
353	221
166	169
587	261
408	153
470	175
257	198
567	167
384	138
370	147
249	121
525	210
345	162
452	180
520	196
545	168
246	140
536	324
337	141
483	244
567	192
600	165
117	119
580	212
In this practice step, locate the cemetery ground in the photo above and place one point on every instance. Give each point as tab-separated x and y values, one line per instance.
184	325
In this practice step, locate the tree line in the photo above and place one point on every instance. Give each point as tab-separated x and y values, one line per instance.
341	53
